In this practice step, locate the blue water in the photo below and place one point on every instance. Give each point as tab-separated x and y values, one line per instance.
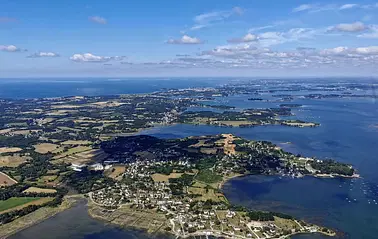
346	134
55	87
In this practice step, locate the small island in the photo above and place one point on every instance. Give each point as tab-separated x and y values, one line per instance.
290	105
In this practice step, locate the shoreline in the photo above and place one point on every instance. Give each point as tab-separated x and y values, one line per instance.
93	205
197	233
69	201
26	221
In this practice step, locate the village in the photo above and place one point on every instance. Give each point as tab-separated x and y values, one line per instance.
185	214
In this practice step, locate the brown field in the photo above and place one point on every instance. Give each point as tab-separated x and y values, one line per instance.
4	131
45	148
72	151
149	220
12	161
5	180
76	142
157	177
81	155
208	150
39	190
116	172
66	106
60	112
229	147
36	202
107	104
69	129
9	150
24	132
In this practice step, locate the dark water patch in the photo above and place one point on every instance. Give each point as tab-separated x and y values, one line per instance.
75	223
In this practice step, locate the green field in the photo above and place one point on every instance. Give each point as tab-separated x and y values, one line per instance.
208	176
15	202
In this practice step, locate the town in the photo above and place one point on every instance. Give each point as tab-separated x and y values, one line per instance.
187	195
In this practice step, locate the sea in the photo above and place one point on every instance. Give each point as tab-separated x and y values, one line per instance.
348	133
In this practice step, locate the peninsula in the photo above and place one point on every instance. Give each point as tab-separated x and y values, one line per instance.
52	146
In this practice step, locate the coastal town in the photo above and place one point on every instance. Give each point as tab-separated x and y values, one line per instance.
91	147
185	197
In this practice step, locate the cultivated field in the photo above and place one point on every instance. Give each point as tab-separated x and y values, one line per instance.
12	161
148	220
24	132
116	172
76	142
5	131
39	190
72	151
17	203
32	219
157	177
80	155
49	179
45	148
9	150
5	180
207	194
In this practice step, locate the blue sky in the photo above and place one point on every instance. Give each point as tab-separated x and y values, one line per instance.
44	38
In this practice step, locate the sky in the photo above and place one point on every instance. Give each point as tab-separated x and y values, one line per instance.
120	38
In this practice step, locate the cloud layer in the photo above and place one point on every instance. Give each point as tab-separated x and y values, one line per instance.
247	38
10	48
43	54
350	27
89	57
185	40
211	18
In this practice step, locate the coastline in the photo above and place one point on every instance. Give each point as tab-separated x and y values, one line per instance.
336	176
92	206
37	217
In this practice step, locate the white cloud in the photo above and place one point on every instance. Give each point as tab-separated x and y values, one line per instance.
351	52
43	54
10	48
247	38
373	33
97	19
89	57
303	7
370	50
185	40
215	17
267	39
313	8
348	6
349	27
335	51
245	55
